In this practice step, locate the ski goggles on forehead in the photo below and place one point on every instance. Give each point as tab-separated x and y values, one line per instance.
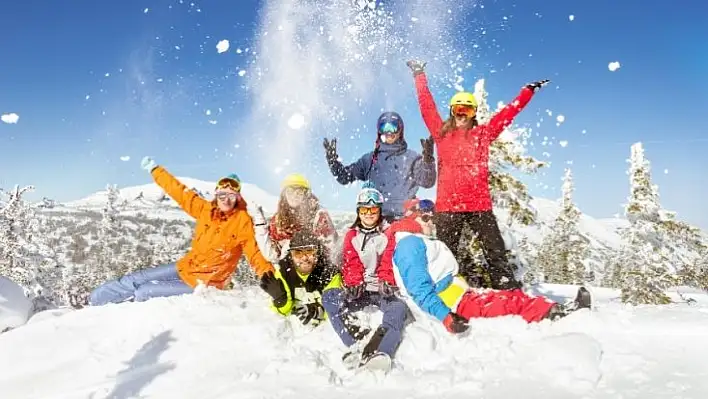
369	198
227	183
463	110
389	127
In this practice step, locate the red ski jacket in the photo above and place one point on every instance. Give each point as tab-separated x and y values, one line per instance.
463	154
385	270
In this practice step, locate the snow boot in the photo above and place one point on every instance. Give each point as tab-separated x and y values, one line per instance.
377	361
583	300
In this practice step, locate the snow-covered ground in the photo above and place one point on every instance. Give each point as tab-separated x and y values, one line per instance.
229	345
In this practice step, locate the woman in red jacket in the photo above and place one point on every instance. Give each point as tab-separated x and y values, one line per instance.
463	197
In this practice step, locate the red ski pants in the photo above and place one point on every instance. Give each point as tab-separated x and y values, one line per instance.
502	303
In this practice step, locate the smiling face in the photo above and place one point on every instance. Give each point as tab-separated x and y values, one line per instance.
463	114
295	195
369	215
226	200
305	259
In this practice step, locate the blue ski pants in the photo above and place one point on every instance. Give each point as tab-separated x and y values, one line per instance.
394	316
160	281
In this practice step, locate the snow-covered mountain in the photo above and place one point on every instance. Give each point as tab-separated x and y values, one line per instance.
150	201
151	197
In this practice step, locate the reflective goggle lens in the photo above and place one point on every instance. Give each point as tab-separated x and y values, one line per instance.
369	211
463	110
389	127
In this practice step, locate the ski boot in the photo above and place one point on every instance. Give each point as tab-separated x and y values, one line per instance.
583	300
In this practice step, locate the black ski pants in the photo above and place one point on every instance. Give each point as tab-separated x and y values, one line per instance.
456	230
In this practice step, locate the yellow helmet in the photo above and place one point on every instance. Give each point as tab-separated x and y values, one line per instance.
295	180
463	98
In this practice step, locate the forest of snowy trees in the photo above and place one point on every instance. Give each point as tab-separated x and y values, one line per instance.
58	255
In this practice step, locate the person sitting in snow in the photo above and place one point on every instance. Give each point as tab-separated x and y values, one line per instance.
395	170
363	246
426	272
298	209
305	274
222	233
463	197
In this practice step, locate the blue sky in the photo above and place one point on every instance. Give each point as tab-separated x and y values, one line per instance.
94	81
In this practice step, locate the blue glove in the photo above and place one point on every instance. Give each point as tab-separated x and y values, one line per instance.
148	164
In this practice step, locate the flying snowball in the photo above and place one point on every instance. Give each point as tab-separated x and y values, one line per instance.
10	118
296	121
613	66
560	119
222	46
125	158
571	17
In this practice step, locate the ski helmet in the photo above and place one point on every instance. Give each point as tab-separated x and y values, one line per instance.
295	180
390	122
369	196
463	98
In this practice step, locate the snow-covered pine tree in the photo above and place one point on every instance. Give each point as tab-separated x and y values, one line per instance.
656	246
563	251
508	153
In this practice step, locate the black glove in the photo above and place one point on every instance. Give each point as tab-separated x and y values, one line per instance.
416	66
537	85
428	145
330	150
455	323
311	312
275	288
387	290
354	292
353	326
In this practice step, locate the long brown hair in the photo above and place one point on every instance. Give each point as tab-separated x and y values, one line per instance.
289	219
449	125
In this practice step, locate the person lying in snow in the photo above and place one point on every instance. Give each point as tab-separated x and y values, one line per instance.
304	275
463	197
394	170
363	246
298	209
426	271
222	233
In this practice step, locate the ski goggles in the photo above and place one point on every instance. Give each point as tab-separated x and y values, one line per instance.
390	127
369	211
303	251
228	184
463	110
223	195
369	197
426	217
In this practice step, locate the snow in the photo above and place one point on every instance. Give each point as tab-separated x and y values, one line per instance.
10	118
125	158
244	350
15	307
563	143
560	119
613	66
222	46
571	17
147	197
296	121
241	72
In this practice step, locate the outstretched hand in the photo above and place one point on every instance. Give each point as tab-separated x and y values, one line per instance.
330	147
148	164
537	85
416	66
428	145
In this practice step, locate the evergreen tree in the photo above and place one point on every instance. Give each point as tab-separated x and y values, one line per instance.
564	250
656	246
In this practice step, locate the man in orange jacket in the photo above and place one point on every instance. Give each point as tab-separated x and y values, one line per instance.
223	232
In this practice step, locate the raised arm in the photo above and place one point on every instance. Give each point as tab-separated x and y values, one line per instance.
503	118
428	109
424	173
187	199
345	174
